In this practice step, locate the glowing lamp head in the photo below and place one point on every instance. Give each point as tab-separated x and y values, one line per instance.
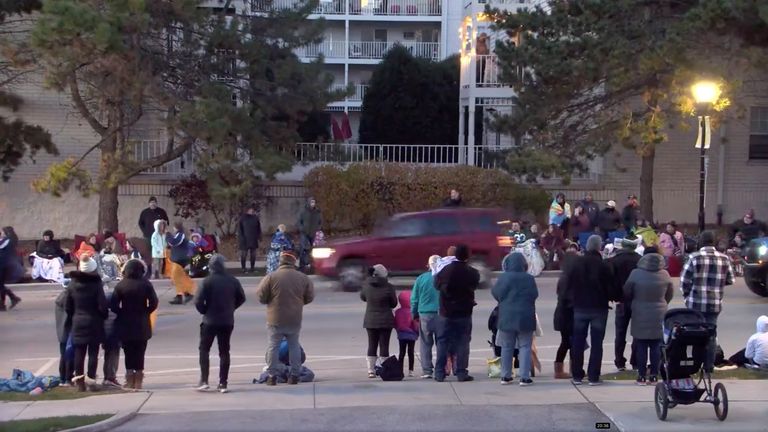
705	92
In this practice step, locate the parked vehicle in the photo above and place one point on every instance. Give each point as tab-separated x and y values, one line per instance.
405	241
756	266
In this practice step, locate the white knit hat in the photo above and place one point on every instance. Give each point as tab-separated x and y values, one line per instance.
380	271
88	265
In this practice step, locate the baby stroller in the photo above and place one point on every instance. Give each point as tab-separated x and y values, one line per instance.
686	337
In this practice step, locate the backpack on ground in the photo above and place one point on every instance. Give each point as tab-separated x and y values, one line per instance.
390	370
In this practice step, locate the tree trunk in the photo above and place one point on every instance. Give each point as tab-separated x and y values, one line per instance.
108	208
646	184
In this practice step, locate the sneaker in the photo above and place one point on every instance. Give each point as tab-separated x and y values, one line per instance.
525	382
621	368
176	300
272	381
640	381
222	388
410	374
507	381
577	382
371	374
293	380
188	298
202	387
14	302
653	380
467	378
426	376
595	383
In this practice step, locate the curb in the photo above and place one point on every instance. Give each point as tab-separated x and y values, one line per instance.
113	422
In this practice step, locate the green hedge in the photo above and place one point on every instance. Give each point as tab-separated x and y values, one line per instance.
356	196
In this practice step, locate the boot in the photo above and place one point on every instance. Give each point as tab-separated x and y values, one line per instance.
80	383
138	380
560	372
176	300
130	379
371	366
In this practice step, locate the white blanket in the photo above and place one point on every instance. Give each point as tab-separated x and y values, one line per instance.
49	269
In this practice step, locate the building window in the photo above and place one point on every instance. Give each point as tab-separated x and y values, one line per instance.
758	133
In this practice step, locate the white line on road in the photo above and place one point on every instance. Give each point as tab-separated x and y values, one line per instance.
46	366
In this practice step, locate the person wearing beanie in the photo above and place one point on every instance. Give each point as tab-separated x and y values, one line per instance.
456	283
285	292
589	283
147	220
133	301
219	296
622	265
86	309
180	248
48	259
425	302
379	296
647	291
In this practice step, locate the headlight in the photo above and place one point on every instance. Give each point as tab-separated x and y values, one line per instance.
762	250
322	253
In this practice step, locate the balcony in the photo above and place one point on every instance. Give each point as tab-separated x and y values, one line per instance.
487	72
368	50
356	98
147	149
357	7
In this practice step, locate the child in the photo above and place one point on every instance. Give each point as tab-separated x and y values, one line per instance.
407	329
63	328
158	249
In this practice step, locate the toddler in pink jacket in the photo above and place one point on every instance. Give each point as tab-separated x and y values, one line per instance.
407	329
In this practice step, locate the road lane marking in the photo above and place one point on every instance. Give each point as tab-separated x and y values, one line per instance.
46	366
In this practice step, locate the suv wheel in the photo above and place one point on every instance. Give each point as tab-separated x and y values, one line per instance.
757	280
351	275
485	272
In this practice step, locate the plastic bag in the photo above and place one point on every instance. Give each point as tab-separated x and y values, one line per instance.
494	367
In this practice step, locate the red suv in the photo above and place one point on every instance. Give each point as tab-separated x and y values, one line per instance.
404	243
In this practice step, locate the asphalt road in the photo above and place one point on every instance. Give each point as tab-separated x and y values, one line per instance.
335	343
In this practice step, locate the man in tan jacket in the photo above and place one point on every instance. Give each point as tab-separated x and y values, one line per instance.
285	292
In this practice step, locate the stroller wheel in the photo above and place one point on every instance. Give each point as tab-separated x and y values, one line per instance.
721	402
661	401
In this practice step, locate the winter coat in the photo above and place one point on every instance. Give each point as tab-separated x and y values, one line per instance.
147	220
649	289
310	221
457	283
580	224
49	249
425	298
757	345
407	328
450	202
219	295
592	210
608	220
179	248
158	242
379	296
563	316
133	300
589	282
286	292
558	213
63	321
111	336
750	231
622	265
248	232
650	238
667	244
553	241
86	307
629	217
516	293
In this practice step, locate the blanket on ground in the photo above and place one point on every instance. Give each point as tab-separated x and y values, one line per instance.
25	381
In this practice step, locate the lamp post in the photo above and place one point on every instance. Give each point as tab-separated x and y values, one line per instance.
705	93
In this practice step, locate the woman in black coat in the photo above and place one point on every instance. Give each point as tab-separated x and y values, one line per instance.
379	321
563	319
133	300
87	309
10	266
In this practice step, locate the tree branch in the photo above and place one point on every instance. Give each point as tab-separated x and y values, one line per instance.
82	108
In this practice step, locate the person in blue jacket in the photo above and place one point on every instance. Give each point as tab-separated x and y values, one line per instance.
516	293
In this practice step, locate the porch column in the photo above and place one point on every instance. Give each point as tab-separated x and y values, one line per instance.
462	148
471	134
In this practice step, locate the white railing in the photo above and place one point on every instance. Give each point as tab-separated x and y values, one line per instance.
356	7
357	96
487	72
148	149
377	50
329	49
395	153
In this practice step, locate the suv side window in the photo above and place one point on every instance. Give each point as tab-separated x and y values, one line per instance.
484	223
407	227
442	225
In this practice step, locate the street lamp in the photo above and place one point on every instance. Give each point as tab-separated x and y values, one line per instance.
705	93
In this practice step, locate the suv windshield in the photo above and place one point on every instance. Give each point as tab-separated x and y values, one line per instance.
403	227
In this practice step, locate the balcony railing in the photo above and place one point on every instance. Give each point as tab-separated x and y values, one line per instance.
368	50
357	7
147	149
357	96
487	72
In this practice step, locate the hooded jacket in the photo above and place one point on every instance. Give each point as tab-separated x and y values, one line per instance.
219	295
516	293
379	297
49	249
457	283
158	241
86	307
310	221
622	265
649	289
147	220
425	298
589	282
757	345
179	248
133	300
286	292
407	328
608	220
248	232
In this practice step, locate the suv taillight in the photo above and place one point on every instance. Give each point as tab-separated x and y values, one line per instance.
504	241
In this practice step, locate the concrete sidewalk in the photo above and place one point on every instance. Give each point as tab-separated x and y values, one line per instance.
623	404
